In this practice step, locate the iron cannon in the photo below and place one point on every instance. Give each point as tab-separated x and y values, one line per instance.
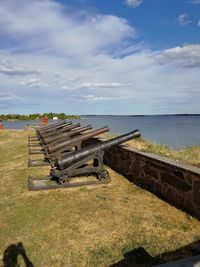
53	129
61	130
43	140
86	161
66	135
74	142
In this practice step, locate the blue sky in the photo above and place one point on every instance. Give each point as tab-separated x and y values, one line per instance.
100	57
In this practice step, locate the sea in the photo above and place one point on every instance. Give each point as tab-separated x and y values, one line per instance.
175	131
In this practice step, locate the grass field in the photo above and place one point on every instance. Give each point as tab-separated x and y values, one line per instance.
87	226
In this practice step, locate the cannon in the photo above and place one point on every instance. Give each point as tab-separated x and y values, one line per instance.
55	136
52	150
41	130
61	130
65	136
53	129
43	138
73	143
87	161
51	125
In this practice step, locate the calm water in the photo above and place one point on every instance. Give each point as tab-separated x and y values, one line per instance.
174	131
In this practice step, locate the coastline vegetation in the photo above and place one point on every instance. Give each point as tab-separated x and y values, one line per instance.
36	116
87	226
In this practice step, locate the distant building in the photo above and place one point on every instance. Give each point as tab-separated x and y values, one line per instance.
1	125
45	120
55	118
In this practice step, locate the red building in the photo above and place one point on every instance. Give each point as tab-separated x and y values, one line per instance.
45	120
1	125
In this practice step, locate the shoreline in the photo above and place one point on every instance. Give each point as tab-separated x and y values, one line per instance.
75	117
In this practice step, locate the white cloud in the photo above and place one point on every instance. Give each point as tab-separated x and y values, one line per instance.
64	87
183	20
92	98
101	85
34	82
11	68
186	56
7	96
34	21
134	3
194	2
198	23
91	58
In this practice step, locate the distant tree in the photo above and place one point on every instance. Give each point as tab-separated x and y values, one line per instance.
36	116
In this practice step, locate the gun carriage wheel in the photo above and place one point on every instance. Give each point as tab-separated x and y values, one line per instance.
103	175
64	178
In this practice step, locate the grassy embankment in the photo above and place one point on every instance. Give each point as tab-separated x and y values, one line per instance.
88	226
190	155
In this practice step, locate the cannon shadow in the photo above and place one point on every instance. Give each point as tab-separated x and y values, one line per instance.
10	256
140	257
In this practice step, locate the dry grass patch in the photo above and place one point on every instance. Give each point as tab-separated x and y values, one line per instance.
87	226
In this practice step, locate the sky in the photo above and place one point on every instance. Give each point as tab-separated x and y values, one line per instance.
119	57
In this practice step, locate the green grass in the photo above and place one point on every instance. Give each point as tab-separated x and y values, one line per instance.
87	226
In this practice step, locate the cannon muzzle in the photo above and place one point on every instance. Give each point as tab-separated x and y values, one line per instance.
53	148
53	128
56	132
63	136
51	125
75	156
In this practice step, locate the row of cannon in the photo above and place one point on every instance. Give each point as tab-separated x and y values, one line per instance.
64	147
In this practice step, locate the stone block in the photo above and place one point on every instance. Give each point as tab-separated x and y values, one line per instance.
147	182
152	172
174	197
189	178
175	182
178	174
196	193
158	188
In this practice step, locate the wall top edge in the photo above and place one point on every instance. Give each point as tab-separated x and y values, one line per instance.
162	159
165	160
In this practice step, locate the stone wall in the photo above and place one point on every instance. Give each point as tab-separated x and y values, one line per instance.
177	183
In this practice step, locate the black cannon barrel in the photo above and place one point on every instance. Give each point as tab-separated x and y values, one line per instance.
53	128
61	130
61	136
51	125
57	131
75	156
43	128
80	138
